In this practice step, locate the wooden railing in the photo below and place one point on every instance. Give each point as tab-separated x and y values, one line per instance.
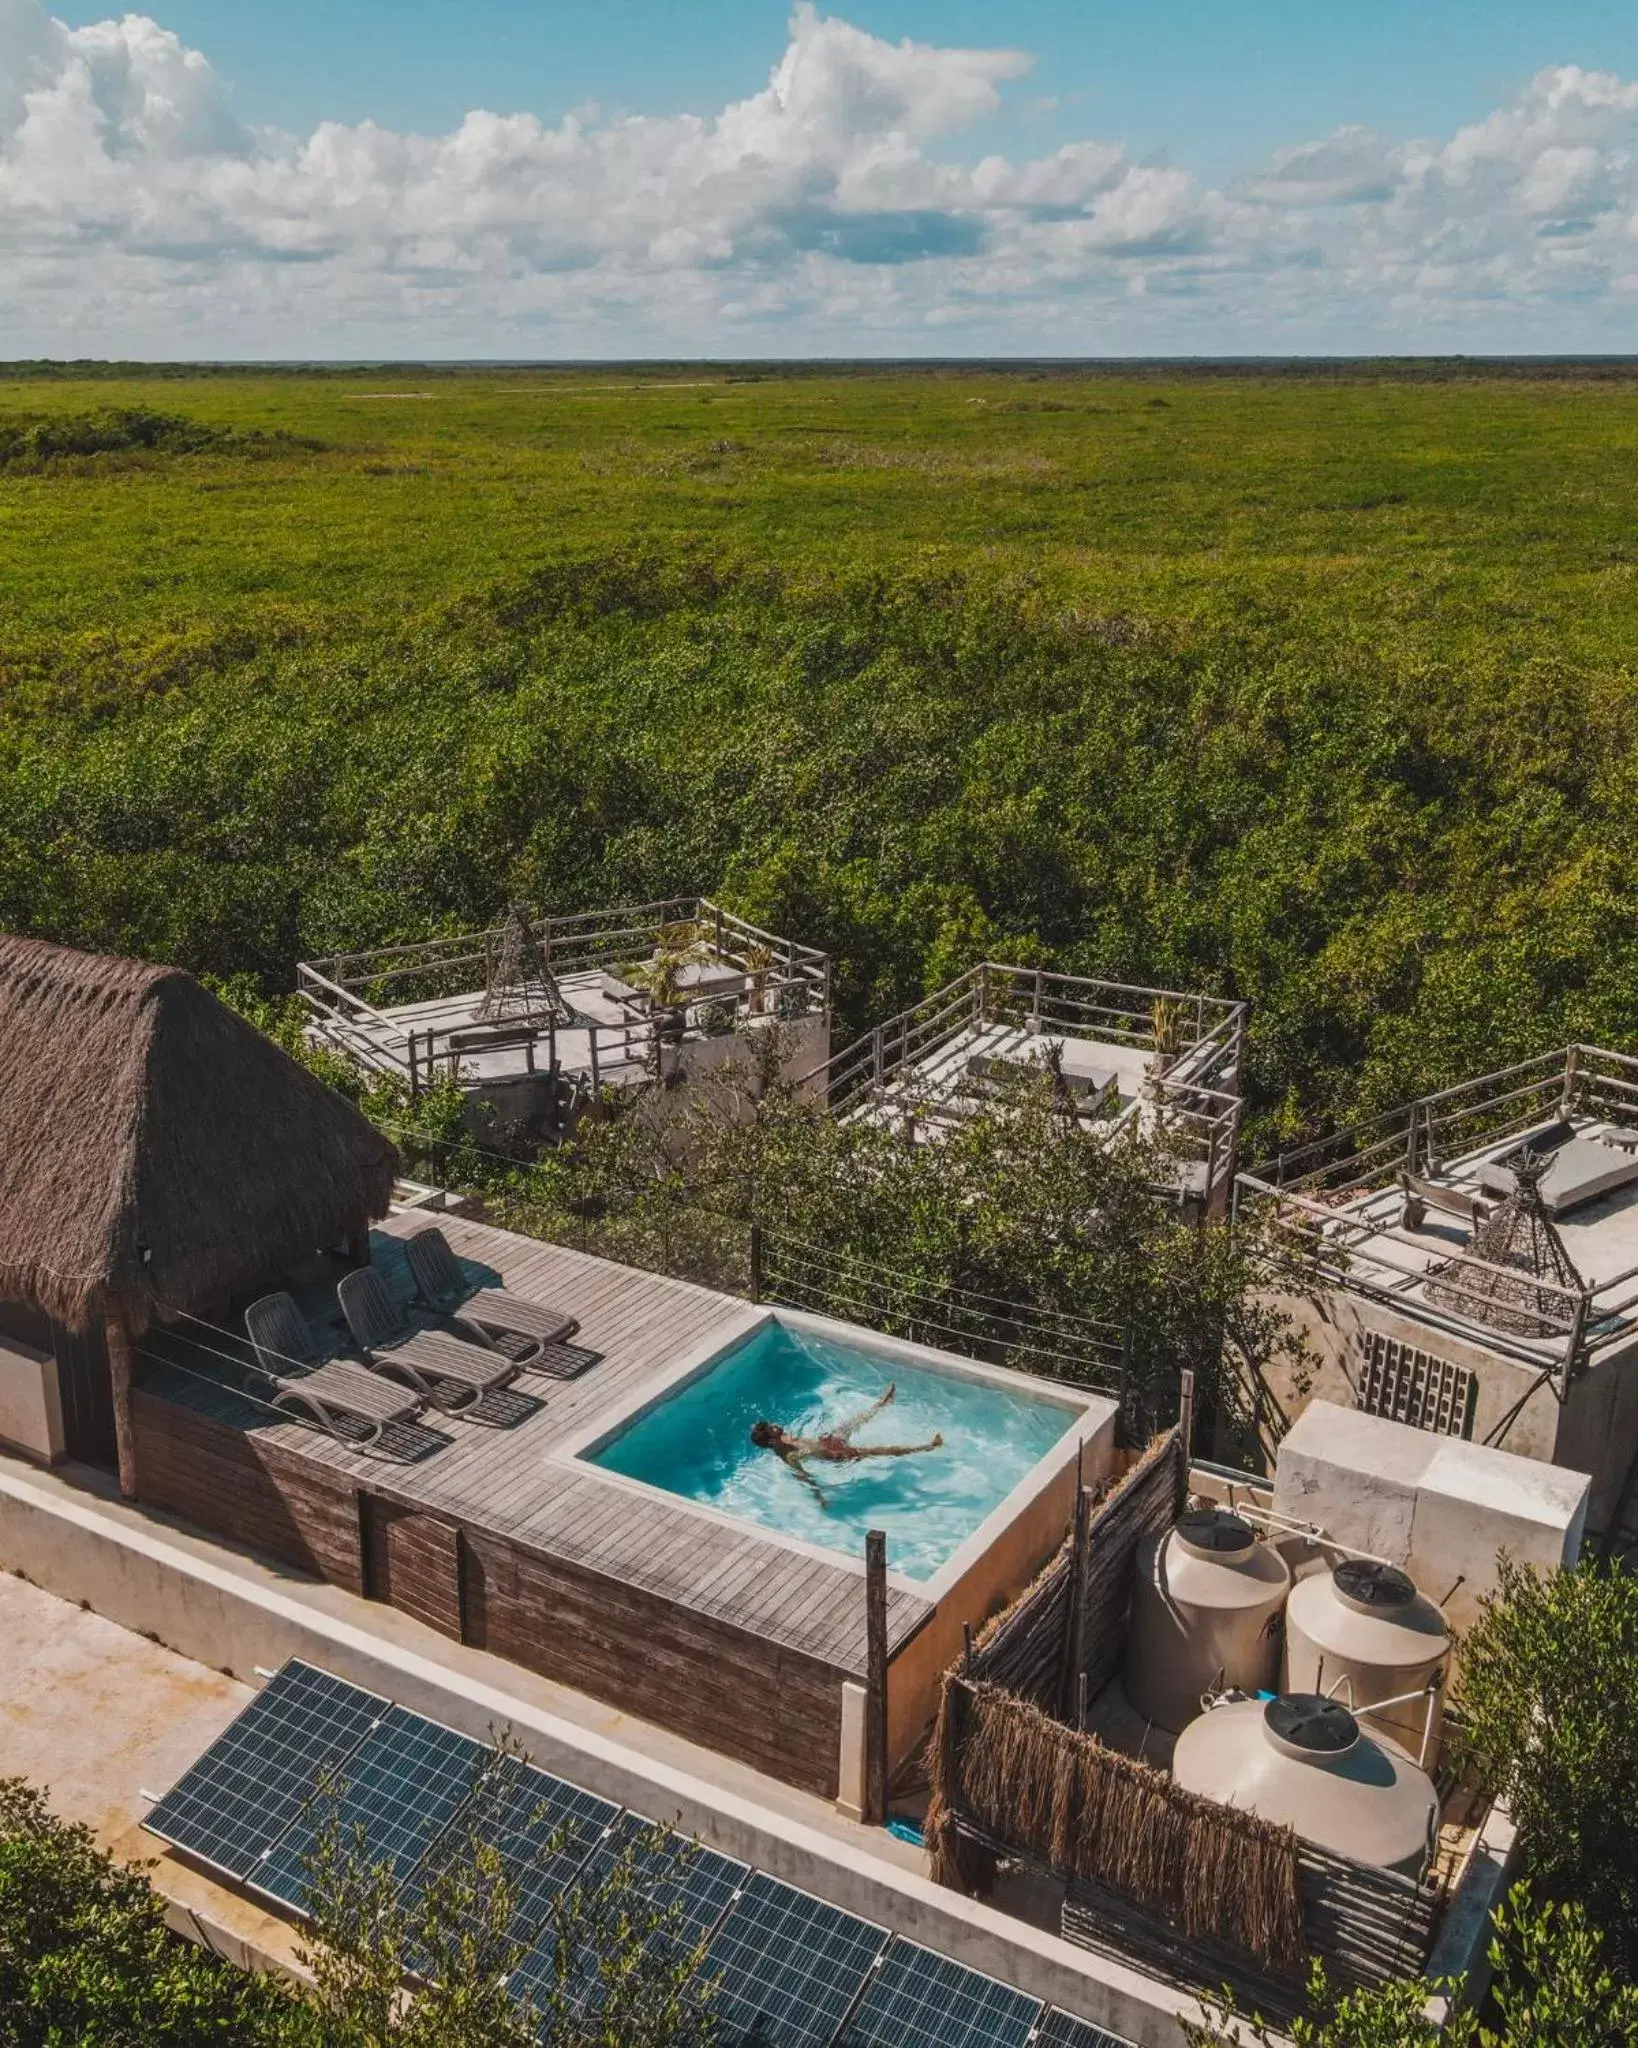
1199	1091
351	995
1336	1209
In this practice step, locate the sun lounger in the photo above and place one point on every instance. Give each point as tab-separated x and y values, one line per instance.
452	1372
494	1311
1421	1195
332	1392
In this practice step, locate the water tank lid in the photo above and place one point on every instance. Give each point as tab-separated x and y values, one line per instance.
1377	1588
1309	1722
1214	1532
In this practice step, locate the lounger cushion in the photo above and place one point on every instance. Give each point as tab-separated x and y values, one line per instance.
1580	1172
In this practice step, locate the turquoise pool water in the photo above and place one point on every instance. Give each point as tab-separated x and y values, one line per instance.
696	1442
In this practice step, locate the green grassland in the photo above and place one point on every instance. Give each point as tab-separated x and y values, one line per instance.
1317	688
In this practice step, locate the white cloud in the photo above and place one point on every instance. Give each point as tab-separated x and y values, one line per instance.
832	209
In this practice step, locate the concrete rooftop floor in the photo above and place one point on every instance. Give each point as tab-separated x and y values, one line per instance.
94	1716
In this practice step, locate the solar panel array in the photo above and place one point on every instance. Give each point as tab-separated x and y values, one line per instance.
251	1783
788	1970
788	1967
921	2000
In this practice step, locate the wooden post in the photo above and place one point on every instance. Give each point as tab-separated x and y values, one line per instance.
875	1813
1185	1432
119	1374
1074	1675
756	1261
1572	1076
1572	1346
592	1035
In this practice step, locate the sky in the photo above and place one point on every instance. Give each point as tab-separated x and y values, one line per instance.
468	178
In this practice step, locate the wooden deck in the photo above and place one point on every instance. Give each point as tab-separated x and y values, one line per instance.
498	1480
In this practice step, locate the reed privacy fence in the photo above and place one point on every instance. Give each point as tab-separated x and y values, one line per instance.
402	1010
1200	1892
1059	1641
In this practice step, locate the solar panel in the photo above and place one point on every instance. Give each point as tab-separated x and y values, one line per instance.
690	1886
921	2000
1059	2030
542	1829
395	1794
788	1966
251	1783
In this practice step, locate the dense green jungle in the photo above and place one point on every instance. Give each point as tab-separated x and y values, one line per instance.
1316	688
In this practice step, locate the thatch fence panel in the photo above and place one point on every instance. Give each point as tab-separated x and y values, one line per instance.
1072	1616
1145	1501
1203	1893
1022	1649
1026	1783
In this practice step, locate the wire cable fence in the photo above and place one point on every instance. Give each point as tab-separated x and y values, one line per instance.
668	1228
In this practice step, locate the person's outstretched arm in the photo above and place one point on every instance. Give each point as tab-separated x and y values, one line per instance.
796	1465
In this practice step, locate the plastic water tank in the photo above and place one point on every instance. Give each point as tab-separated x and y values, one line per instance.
1362	1633
1205	1614
1304	1762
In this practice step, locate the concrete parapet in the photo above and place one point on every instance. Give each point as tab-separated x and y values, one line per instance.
231	1613
1439	1507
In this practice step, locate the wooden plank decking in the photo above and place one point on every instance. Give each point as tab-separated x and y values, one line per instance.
501	1480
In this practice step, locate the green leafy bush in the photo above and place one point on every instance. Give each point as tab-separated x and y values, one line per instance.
1548	1695
1552	1988
30	443
86	1958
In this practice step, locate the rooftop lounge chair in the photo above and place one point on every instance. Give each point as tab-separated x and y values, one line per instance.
443	1287
333	1392
1421	1194
454	1373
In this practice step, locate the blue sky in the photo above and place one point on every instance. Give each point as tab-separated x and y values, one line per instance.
744	178
1218	84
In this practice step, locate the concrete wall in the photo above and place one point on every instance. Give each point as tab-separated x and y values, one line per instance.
804	1043
1594	1430
1439	1508
1334	1322
222	1612
1598	1433
31	1413
992	1582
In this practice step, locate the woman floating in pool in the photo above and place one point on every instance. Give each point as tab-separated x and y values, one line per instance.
836	1446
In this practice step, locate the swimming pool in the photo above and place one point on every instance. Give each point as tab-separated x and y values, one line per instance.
694	1441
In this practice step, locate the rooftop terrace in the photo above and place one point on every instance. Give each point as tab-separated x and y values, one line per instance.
496	1524
1390	1208
504	1471
1158	1058
478	1009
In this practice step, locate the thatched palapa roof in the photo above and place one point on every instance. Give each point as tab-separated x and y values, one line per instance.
155	1148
